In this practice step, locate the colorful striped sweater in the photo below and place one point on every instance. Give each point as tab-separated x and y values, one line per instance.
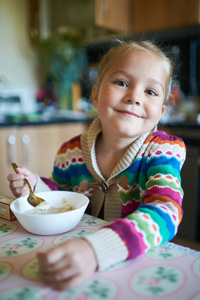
143	203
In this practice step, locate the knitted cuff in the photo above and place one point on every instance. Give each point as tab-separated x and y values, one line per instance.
40	185
108	247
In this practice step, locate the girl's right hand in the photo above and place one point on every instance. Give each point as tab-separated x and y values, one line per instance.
17	184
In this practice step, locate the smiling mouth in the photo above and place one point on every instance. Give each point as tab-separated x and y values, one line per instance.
128	113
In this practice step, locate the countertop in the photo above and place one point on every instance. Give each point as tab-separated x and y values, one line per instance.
182	125
188	130
45	119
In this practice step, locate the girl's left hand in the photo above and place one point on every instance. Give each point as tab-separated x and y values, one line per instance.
68	264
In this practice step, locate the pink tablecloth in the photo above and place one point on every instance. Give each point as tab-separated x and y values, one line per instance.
167	272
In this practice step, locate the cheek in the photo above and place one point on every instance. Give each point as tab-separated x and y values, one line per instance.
107	92
105	99
155	111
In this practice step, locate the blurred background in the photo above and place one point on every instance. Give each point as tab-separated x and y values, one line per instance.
47	46
49	55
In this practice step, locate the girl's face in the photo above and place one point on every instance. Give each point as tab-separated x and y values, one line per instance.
130	98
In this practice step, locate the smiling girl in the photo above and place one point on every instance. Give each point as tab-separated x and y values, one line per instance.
129	170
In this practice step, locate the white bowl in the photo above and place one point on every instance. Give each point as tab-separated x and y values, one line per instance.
51	224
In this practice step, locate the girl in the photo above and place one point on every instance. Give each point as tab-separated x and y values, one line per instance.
129	170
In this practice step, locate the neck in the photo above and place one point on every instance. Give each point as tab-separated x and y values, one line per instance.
109	151
113	144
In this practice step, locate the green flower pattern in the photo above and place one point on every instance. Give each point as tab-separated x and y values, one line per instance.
19	246
72	234
31	270
89	220
25	293
161	274
157	280
163	253
6	228
5	269
94	289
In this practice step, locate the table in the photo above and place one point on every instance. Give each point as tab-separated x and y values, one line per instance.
167	272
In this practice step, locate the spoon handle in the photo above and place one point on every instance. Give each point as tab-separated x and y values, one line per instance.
29	186
14	165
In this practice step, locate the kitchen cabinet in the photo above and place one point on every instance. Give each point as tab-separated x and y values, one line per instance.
113	14
140	16
33	147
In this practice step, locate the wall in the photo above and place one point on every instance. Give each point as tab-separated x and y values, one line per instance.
18	63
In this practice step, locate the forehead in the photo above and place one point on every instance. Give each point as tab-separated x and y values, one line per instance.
136	62
137	57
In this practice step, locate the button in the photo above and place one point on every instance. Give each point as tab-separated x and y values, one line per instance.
84	185
123	181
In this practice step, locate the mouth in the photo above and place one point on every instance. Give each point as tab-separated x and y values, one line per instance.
128	113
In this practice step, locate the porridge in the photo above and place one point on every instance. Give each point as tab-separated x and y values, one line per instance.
45	209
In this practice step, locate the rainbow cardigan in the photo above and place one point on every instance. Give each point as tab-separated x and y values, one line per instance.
144	209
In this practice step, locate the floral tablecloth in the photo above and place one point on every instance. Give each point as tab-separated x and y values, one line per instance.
167	272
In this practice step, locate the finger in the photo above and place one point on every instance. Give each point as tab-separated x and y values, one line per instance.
29	176
17	184
64	274
53	255
18	188
24	171
46	267
71	283
20	192
15	177
50	258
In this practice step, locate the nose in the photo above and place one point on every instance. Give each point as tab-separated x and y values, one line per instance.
134	100
133	97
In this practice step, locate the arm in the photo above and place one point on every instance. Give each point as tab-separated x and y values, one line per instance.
44	184
68	264
62	169
157	218
151	224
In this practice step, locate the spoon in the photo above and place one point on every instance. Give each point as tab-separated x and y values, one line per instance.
33	199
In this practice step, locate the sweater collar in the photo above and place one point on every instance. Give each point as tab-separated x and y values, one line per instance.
128	157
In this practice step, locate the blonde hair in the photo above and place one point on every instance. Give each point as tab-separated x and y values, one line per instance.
123	48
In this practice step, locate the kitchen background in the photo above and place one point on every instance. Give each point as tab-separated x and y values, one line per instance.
45	101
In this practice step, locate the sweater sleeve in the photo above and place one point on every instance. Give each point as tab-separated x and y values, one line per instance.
44	185
41	186
62	168
157	218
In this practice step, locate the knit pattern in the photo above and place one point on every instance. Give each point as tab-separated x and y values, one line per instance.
151	203
70	169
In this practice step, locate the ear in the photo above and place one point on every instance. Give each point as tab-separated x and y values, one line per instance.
95	93
163	110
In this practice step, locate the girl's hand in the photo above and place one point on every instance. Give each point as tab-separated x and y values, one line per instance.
17	184
67	265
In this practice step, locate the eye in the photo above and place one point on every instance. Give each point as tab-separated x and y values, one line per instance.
121	83
151	92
